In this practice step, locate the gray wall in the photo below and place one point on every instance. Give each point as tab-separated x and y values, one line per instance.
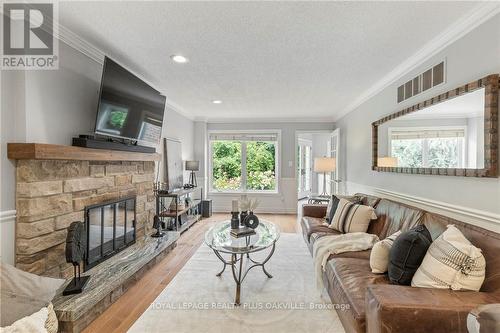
471	57
52	106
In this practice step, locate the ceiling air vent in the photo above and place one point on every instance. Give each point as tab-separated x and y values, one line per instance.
430	78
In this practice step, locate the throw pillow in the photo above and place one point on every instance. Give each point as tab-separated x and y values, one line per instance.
334	202
407	254
25	293
379	256
34	323
451	262
51	324
352	217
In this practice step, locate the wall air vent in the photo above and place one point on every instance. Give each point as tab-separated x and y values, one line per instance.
428	79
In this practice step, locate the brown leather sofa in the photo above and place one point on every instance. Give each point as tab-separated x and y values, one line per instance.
375	305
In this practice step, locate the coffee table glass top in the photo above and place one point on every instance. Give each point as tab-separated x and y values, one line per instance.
219	238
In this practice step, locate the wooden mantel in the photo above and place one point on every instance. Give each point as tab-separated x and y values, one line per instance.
42	151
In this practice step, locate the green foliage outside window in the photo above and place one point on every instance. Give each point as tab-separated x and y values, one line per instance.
260	163
441	152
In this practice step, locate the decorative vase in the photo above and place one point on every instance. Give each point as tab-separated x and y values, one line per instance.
251	221
243	216
235	221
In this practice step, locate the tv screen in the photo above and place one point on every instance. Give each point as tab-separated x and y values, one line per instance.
128	107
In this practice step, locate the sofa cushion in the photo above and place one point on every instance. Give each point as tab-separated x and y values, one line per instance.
393	216
368	200
25	293
451	262
311	225
407	254
348	279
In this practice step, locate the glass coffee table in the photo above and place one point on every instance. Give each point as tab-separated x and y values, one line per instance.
219	239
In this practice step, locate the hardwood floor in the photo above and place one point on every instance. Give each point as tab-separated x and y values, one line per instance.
121	315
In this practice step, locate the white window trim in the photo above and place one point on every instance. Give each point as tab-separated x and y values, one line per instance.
276	191
463	154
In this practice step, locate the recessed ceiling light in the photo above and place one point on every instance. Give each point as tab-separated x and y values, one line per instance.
216	101
179	59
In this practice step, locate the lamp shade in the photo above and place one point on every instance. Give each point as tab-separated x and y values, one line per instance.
388	162
324	164
193	165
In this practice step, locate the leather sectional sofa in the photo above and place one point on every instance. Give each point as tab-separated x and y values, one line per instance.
375	305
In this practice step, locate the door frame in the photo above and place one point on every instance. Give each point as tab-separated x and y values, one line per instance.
296	143
335	184
304	143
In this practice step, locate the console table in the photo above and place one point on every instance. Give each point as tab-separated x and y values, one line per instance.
179	209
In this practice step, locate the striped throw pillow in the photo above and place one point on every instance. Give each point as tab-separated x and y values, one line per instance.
379	257
451	262
334	202
352	217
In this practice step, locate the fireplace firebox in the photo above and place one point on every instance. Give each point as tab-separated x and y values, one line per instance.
110	227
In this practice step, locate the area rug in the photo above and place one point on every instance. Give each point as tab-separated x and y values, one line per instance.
198	301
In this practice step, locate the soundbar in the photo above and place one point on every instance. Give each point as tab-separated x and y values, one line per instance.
89	142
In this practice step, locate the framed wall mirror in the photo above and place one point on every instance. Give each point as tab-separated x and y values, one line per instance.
452	134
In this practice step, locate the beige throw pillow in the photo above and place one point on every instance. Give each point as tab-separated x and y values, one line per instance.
352	217
451	262
25	293
379	256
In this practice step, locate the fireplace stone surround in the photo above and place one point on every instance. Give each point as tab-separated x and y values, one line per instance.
54	185
50	194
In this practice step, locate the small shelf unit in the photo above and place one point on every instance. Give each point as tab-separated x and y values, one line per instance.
179	209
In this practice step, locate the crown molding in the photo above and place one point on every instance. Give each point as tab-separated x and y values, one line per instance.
76	42
264	120
456	31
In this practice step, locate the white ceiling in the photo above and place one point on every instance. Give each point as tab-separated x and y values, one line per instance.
271	60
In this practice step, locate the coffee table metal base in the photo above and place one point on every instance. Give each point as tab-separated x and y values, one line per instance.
238	274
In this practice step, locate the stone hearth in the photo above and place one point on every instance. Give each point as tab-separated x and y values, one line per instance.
53	193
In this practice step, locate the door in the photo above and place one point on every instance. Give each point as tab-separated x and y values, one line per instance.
333	151
304	168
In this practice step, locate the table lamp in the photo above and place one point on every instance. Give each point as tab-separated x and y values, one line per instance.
193	166
324	165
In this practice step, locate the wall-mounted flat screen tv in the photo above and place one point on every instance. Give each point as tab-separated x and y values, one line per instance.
128	107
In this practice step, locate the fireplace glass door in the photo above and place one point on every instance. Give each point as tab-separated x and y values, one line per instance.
110	228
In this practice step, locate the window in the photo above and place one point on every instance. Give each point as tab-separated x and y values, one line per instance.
432	147
244	162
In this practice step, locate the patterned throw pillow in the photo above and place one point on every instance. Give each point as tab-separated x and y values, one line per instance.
334	202
379	256
451	262
352	217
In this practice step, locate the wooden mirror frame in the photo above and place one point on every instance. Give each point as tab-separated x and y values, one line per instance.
490	83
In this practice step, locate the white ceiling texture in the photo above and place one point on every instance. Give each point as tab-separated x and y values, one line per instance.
263	60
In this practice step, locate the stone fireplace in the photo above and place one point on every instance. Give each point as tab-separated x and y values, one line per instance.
53	193
111	190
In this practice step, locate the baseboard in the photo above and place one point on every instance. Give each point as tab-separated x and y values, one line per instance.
484	219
